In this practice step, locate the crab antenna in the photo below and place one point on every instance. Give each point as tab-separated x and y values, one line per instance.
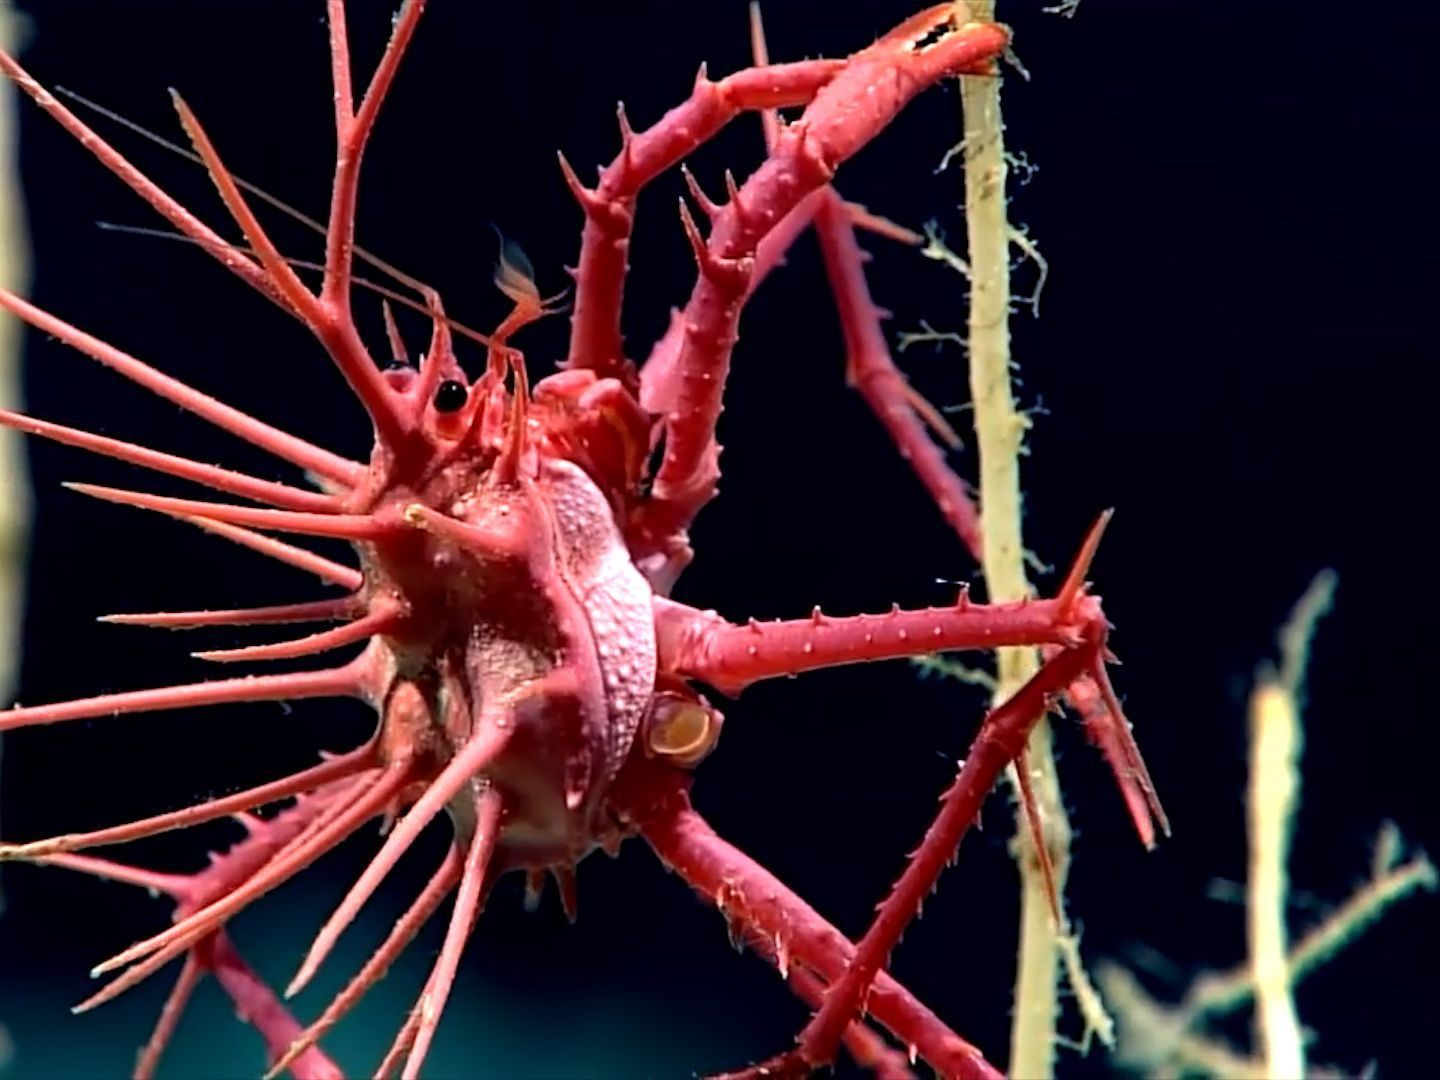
383	291
299	216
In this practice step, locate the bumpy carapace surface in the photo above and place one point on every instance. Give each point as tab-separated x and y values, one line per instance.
516	547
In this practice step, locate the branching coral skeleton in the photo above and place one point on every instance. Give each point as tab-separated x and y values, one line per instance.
1156	1037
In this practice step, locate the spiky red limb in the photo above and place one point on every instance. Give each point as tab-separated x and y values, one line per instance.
848	112
655	800
214	953
871	368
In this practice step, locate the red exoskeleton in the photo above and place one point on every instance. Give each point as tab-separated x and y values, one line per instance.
516	548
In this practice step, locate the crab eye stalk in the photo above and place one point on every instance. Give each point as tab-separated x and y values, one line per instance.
682	729
451	396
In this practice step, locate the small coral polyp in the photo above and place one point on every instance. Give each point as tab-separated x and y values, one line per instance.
515	550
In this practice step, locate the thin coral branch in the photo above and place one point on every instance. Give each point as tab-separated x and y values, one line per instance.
754	900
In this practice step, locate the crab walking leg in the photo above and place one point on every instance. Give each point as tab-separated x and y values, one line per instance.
376	794
1001	740
850	111
749	895
255	1002
701	645
256	432
609	207
866	1046
440	886
871	370
258	1004
468	901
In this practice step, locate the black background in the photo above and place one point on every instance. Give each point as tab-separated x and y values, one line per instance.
1237	204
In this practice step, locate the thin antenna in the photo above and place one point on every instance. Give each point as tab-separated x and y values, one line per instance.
260	193
305	264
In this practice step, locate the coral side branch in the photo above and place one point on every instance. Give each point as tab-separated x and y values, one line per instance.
759	906
282	445
730	657
852	109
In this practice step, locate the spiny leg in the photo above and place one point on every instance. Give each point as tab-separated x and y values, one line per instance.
1001	740
848	112
595	341
654	799
872	370
254	1001
729	656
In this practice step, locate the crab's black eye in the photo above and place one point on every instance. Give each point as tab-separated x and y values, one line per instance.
451	396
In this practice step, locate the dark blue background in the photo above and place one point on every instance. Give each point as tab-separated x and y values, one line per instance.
1237	203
